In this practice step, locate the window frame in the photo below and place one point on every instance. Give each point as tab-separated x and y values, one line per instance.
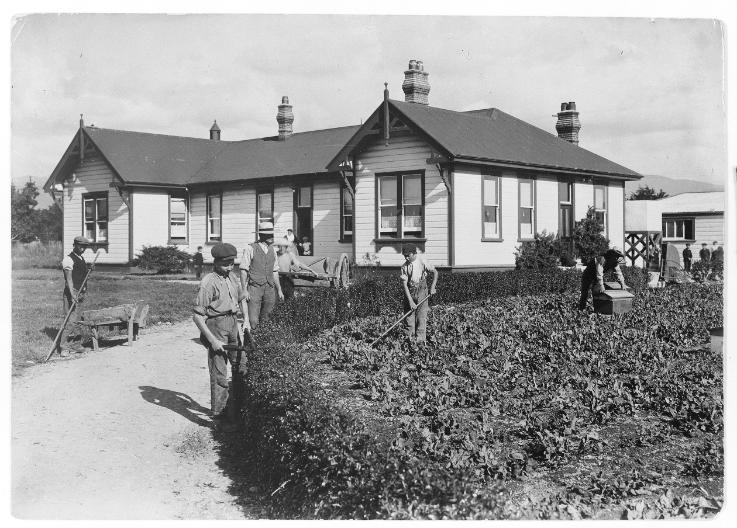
571	205
346	236
401	236
209	238
604	186
96	196
498	183
259	192
532	207
184	196
674	219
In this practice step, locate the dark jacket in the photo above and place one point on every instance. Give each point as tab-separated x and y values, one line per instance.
705	255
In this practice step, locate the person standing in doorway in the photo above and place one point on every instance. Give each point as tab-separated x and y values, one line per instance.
215	315
260	275
74	267
687	256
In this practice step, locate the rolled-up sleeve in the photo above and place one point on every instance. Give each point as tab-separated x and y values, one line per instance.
246	258
203	298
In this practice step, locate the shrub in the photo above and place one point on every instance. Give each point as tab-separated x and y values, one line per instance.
587	237
541	253
162	259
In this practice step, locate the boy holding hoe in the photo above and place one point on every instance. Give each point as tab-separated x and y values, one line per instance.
413	274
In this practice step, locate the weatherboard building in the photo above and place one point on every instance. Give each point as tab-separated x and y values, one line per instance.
466	187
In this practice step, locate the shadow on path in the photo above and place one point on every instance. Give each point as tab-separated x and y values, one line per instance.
178	402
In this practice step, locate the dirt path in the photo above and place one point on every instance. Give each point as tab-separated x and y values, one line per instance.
123	433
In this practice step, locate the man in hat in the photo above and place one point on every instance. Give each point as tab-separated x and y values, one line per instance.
260	275
687	257
74	267
215	315
593	275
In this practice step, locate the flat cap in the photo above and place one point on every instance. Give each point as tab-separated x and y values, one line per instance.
223	251
82	241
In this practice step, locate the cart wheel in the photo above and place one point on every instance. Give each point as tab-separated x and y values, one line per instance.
344	271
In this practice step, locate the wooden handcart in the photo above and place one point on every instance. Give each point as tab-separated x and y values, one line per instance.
128	317
329	272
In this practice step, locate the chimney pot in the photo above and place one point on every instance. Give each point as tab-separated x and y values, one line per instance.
568	124
415	85
285	118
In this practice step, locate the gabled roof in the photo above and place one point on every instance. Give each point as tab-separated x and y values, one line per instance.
156	159
693	202
492	136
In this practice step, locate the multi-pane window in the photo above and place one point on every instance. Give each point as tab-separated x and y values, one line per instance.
490	207
177	218
265	207
678	228
600	205
565	209
526	208
95	217
214	217
346	208
401	206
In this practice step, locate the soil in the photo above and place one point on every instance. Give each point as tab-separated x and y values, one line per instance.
125	433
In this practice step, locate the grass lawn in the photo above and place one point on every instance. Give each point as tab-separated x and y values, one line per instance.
37	309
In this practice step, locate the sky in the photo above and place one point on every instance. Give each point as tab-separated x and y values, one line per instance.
649	91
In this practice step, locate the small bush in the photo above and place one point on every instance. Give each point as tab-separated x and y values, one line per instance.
541	253
587	236
162	259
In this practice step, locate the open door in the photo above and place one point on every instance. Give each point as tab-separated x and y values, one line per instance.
303	219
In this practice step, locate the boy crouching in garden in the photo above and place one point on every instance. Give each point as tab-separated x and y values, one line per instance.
414	283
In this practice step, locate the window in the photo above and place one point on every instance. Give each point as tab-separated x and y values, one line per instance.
265	207
490	225
177	218
95	216
346	215
526	208
302	212
565	209
214	217
401	205
678	229
600	205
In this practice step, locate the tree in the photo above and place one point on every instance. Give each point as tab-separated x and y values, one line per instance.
647	193
22	214
588	239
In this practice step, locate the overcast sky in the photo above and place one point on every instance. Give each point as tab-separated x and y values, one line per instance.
649	92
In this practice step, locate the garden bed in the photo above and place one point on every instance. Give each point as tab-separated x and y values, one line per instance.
519	406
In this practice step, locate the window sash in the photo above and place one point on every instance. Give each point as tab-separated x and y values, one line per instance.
565	192
265	207
214	217
678	228
401	209
347	213
177	218
95	221
490	207
526	208
304	196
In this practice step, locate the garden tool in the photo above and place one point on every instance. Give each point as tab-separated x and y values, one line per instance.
71	308
392	327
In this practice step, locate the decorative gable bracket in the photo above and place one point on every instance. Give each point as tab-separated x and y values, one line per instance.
441	163
123	191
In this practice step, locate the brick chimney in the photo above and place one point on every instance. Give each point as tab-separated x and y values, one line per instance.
215	131
285	118
415	85
568	124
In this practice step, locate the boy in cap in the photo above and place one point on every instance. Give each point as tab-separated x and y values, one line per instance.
260	275
413	275
74	267
198	262
215	315
593	275
704	253
687	257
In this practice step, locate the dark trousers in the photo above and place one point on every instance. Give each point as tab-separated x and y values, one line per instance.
287	287
687	264
225	400
66	336
415	325
261	304
198	271
587	280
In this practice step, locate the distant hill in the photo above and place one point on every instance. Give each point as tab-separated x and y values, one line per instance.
672	186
